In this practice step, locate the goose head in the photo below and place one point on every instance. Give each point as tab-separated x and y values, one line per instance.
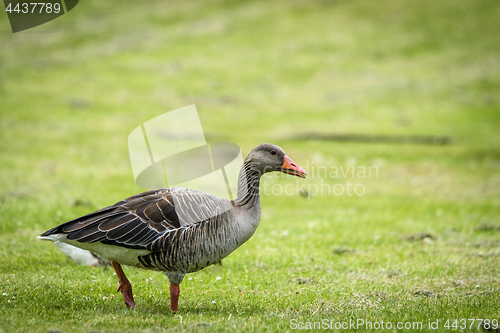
268	157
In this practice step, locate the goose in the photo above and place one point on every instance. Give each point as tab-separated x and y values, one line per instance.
175	230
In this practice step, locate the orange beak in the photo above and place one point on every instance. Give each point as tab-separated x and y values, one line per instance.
291	168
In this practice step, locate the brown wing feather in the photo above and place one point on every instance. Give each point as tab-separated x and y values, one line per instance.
133	223
136	222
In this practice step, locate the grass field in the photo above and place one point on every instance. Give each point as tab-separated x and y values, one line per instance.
336	84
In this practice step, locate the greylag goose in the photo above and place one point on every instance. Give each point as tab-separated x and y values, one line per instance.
175	230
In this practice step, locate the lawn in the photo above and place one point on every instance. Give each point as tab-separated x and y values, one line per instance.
407	90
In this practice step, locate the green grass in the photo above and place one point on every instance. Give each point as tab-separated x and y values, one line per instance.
262	71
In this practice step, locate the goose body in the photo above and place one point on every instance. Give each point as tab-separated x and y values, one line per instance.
175	230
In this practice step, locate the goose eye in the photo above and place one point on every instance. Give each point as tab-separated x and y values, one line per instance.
273	152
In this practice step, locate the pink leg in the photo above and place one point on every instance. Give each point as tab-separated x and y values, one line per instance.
175	291
124	285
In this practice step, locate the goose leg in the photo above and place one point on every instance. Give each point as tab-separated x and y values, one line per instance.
124	285
175	291
175	279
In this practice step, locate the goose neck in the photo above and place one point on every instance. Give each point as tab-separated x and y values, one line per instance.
248	186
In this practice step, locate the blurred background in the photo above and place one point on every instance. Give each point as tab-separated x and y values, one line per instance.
409	87
412	75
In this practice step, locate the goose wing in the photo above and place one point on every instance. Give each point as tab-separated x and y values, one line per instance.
137	221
